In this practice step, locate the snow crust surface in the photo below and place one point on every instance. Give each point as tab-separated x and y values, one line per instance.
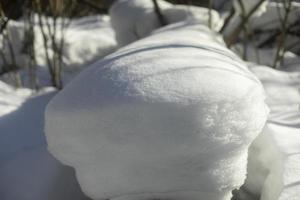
169	116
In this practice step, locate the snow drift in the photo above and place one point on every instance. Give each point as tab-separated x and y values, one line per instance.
274	161
170	117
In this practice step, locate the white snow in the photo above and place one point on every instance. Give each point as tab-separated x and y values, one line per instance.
11	98
170	116
266	56
128	18
27	170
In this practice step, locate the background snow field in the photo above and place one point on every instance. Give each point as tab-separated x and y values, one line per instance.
183	111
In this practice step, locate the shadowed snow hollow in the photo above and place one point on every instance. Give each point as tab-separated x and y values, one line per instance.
168	117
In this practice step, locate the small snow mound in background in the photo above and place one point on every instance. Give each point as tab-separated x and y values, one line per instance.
86	40
128	18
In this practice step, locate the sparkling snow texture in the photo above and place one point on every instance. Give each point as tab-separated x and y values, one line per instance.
169	116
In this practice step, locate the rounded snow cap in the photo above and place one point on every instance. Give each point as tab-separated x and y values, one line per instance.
168	117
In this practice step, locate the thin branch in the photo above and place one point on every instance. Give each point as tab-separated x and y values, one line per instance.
282	38
210	5
227	20
93	6
235	33
162	20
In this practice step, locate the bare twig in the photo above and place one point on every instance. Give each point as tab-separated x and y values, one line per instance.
228	19
210	5
162	20
235	33
282	38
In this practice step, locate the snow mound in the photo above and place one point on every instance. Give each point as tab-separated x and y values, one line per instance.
128	18
274	160
282	88
167	117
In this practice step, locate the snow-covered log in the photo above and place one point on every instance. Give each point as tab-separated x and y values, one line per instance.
170	116
136	19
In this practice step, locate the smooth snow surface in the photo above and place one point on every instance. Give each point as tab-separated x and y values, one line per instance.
128	18
20	132
170	116
27	170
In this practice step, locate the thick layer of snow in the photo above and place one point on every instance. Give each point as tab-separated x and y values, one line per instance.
169	116
128	18
274	160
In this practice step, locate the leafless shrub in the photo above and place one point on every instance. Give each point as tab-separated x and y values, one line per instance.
53	32
9	64
287	4
232	38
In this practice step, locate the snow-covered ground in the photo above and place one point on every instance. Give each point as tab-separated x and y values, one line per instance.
86	40
29	172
